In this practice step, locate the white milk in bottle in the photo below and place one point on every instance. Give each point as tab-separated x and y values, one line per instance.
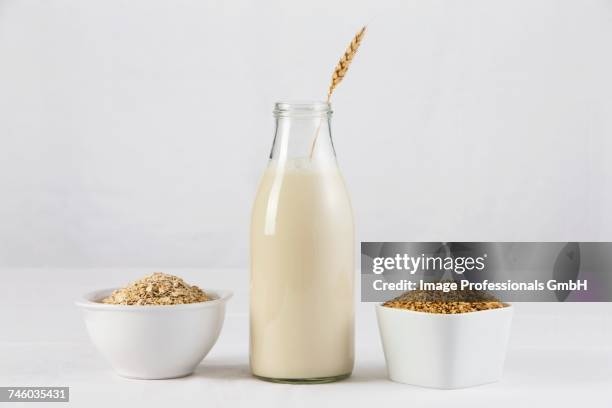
302	259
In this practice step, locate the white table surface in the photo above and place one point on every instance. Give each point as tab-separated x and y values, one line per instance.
560	355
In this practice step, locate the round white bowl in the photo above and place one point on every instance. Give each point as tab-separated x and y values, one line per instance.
444	351
153	342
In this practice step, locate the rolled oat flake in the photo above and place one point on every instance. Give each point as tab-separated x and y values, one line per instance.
157	289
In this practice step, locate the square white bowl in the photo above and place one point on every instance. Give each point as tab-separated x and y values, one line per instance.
444	351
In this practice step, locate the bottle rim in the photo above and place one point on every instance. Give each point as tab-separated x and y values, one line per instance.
302	109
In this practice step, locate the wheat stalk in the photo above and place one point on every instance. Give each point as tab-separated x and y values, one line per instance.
339	73
345	62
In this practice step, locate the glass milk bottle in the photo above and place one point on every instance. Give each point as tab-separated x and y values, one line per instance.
302	260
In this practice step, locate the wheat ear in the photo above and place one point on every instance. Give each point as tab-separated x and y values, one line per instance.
339	73
345	62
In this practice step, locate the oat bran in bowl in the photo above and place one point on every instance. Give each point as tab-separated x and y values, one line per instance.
443	340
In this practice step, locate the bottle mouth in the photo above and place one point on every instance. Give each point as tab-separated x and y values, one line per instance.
302	109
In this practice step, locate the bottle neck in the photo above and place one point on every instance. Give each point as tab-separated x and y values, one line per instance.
303	133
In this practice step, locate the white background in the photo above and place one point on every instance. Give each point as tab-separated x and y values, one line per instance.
135	132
